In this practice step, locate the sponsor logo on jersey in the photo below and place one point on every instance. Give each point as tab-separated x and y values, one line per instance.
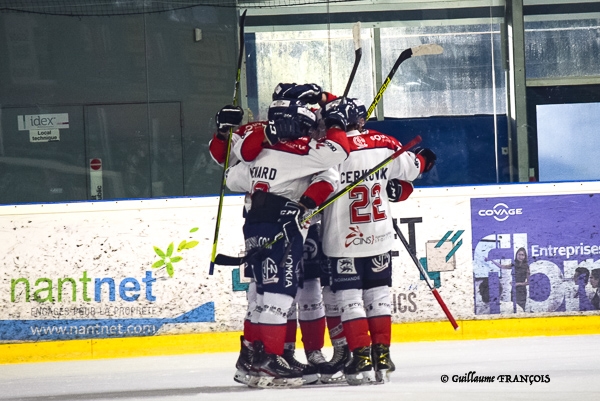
289	271
326	142
500	212
354	233
269	271
356	237
360	142
380	262
346	266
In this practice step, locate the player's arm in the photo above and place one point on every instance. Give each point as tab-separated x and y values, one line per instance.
228	118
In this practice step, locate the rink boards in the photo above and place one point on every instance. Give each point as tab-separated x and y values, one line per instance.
122	278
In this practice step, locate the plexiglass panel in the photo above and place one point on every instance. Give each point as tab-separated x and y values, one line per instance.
322	57
466	79
565	48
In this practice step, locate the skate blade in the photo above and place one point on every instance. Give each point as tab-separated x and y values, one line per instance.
383	376
361	378
242	377
253	381
332	379
271	382
310	379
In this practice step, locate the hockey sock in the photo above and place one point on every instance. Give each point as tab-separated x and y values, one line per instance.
290	332
354	319
357	333
273	321
313	334
379	311
311	314
332	313
381	329
250	327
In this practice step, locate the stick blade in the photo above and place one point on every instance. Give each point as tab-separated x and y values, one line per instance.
356	35
427	49
225	260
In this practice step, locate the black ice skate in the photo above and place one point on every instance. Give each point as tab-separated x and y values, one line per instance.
359	370
309	372
243	364
332	372
272	371
382	363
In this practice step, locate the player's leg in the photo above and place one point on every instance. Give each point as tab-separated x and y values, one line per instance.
333	371
309	372
347	276
376	295
279	285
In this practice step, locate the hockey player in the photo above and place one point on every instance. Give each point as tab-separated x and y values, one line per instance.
283	185
229	118
357	237
310	309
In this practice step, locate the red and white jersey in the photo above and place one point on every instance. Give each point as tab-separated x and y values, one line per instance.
359	223
218	147
288	168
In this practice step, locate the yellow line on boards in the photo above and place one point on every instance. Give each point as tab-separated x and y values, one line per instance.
51	351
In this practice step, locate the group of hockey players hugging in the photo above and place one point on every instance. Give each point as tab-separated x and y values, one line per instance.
332	270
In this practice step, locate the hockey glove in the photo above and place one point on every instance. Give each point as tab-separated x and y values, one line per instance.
339	112
427	158
282	130
229	117
398	190
289	218
308	93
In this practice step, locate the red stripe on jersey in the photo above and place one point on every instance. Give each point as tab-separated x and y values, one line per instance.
319	191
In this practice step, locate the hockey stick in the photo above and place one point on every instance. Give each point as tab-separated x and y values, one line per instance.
226	164
236	261
424	274
421	50
357	56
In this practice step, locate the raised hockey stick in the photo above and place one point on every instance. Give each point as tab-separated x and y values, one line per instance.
226	164
357	56
421	50
226	260
424	274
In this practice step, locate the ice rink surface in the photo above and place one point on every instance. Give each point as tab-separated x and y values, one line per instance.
572	364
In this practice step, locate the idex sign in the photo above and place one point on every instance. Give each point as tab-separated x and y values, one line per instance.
43	121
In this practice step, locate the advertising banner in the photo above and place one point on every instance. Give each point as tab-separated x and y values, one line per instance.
114	269
535	254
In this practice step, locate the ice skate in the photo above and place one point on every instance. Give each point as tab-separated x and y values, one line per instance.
243	364
382	363
359	370
332	372
272	371
309	372
316	359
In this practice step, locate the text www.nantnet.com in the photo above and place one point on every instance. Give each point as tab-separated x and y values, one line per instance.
95	329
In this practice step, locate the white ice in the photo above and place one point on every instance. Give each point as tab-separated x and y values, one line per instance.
571	362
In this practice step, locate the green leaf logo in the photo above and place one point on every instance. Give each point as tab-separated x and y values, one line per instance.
168	258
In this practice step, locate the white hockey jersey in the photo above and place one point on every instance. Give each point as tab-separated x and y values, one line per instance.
288	168
359	223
